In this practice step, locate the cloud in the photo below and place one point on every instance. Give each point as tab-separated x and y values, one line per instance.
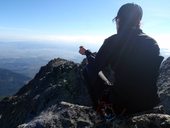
26	34
163	40
54	38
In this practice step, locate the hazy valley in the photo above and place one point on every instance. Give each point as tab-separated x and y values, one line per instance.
22	60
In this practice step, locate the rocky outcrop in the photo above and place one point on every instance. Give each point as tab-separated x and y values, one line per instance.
63	115
66	115
164	85
59	80
57	97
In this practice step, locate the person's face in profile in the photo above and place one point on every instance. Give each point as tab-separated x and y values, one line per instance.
117	23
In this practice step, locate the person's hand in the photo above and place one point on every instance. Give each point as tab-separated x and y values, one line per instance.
82	50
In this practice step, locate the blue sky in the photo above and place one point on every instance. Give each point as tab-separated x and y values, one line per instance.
86	21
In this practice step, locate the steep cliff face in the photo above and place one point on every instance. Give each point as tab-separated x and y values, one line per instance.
57	97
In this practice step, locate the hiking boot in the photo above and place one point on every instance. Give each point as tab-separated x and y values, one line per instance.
99	119
109	118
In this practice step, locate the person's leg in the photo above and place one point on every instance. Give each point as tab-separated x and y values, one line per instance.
95	83
90	88
90	76
118	102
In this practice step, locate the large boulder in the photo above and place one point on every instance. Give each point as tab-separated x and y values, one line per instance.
164	85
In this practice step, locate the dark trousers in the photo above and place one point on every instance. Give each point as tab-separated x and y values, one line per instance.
95	85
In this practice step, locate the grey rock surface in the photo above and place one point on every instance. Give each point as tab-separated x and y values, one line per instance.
164	85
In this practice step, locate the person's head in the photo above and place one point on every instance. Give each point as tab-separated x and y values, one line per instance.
128	16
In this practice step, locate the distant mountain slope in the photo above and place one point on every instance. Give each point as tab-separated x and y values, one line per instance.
26	66
10	82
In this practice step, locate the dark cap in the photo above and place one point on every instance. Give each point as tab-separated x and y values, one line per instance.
130	11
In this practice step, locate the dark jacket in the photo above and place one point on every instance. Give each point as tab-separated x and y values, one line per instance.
134	57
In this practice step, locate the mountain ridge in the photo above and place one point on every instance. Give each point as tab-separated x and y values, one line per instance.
57	97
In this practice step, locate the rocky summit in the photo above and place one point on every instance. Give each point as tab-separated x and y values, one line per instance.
57	98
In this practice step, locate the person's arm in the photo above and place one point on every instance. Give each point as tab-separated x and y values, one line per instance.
103	56
89	55
103	77
84	51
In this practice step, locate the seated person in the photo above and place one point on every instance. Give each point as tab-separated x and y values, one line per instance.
134	58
